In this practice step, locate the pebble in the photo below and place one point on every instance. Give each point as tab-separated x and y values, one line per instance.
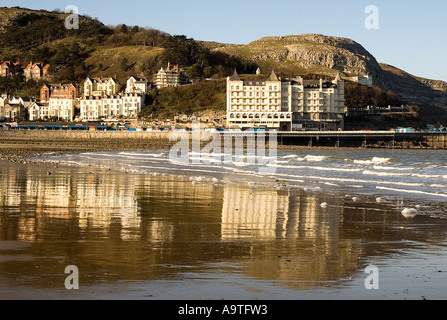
409	212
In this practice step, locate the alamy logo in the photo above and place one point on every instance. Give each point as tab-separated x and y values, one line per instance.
237	147
72	280
372	20
372	281
72	21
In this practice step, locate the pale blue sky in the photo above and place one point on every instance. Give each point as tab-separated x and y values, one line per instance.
411	35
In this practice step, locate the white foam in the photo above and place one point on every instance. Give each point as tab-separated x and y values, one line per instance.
385	174
393	168
311	158
316	168
396	174
413	191
134	154
375	160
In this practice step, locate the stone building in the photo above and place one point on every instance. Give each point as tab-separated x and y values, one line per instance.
365	80
171	77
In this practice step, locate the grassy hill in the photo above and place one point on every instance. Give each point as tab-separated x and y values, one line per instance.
123	62
95	49
189	99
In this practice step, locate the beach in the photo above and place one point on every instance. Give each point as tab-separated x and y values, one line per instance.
16	146
140	227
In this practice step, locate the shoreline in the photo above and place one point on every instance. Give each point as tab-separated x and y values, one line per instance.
21	146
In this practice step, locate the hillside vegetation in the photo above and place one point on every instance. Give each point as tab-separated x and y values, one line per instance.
95	49
120	51
189	99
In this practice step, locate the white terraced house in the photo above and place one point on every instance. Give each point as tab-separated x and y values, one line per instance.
127	105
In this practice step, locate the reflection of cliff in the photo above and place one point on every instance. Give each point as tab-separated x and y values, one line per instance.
307	249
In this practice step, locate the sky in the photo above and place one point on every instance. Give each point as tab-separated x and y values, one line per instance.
411	34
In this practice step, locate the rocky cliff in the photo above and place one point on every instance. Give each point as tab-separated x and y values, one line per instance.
325	56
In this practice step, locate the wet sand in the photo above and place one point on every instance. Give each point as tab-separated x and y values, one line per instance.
143	237
21	146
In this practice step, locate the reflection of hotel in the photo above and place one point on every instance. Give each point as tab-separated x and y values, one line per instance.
101	199
247	214
268	213
306	238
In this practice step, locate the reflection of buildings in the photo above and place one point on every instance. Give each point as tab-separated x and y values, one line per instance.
92	200
102	199
247	214
104	203
273	235
268	213
292	238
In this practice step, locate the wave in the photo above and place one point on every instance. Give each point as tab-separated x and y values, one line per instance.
350	180
414	191
311	158
316	168
395	174
393	168
134	154
385	174
375	160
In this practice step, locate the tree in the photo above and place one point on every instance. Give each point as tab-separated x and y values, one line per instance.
42	54
208	72
123	28
184	51
194	72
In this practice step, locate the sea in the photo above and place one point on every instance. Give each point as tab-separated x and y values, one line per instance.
290	225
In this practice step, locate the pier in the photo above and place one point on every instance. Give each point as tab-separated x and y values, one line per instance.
357	139
337	139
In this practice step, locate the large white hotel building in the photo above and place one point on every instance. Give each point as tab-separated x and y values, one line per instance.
285	104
